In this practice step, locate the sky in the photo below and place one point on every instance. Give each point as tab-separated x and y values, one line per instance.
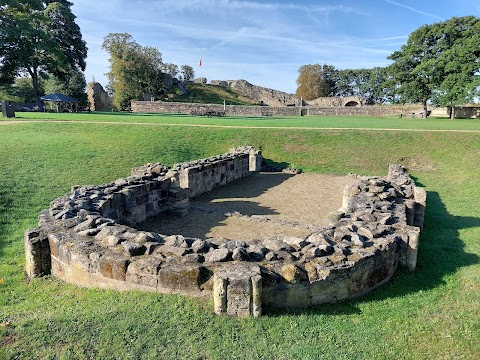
263	42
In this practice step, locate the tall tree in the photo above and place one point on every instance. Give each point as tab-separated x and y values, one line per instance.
170	69
38	37
440	62
310	82
134	69
188	74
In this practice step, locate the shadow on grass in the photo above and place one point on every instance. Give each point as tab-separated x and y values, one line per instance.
6	203
440	254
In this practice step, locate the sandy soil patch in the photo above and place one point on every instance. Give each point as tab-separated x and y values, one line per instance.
272	204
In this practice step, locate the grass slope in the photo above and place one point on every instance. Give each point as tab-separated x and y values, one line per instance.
212	94
431	313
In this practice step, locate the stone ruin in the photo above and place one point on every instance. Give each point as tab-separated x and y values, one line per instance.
98	98
88	237
274	98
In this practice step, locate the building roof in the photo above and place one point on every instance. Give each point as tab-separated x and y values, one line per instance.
59	98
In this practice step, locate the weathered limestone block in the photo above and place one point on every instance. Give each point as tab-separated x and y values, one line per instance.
114	267
410	211
413	239
37	253
237	290
331	289
290	295
292	274
144	272
420	196
218	255
180	278
349	192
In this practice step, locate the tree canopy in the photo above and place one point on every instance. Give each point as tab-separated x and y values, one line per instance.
39	37
375	85
187	72
311	82
440	62
134	69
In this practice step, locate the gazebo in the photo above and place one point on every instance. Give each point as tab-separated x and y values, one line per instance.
60	102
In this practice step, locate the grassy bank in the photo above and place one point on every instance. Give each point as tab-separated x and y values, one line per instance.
212	94
431	313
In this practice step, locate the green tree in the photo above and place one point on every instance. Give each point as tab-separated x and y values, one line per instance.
20	92
372	84
188	74
440	62
170	69
37	37
24	90
73	85
134	69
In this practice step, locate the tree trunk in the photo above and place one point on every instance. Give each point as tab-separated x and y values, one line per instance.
425	110
36	87
452	112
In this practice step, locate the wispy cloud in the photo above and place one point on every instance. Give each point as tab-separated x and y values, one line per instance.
415	10
235	5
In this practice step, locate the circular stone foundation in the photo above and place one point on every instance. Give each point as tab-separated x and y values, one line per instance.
264	239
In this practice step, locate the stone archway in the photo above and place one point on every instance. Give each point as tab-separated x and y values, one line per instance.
351	104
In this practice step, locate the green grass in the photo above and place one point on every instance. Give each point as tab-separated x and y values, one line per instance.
252	121
432	313
212	94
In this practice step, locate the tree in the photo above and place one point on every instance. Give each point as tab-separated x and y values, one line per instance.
188	74
37	37
170	69
20	92
440	62
73	86
134	69
310	82
374	85
24	90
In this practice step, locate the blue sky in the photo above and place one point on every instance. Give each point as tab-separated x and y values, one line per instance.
263	42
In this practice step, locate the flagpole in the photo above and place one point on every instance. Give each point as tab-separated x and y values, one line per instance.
200	64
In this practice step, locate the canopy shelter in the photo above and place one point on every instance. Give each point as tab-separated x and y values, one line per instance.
60	103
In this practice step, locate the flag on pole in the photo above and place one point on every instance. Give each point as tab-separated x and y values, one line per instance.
200	64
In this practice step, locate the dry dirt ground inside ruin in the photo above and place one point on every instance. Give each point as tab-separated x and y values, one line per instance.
259	206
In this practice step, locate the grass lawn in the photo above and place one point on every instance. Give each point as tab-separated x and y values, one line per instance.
432	313
270	121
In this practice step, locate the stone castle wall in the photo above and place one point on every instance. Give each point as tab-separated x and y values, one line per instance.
88	238
243	110
337	101
98	98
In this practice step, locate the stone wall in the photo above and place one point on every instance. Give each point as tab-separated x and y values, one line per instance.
467	112
87	237
264	95
325	102
242	110
98	98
